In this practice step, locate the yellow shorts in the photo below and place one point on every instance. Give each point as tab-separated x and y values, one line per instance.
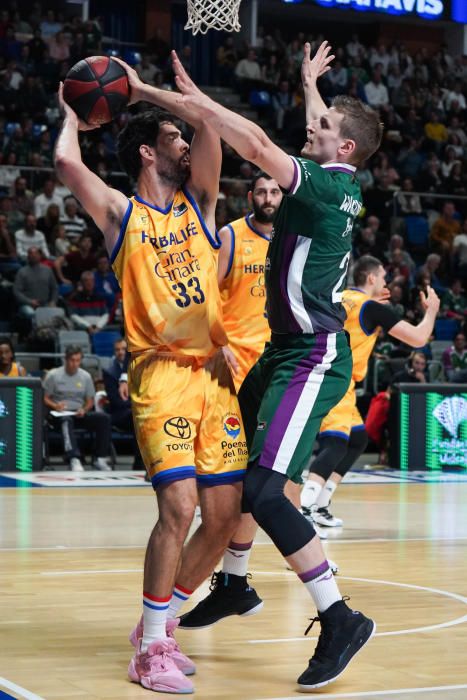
187	419
246	358
344	417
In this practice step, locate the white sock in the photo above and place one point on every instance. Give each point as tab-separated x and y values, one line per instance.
179	596
154	619
310	493
321	585
324	498
236	558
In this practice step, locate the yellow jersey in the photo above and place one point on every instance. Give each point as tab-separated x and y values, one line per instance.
361	343
244	295
14	370
166	264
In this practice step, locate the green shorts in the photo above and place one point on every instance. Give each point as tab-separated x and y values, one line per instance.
286	395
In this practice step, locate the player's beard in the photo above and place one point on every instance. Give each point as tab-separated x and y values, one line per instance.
263	217
173	171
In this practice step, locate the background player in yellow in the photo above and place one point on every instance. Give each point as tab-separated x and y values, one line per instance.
242	257
162	244
342	434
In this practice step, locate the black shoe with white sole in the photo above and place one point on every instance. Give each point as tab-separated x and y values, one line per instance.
343	633
230	595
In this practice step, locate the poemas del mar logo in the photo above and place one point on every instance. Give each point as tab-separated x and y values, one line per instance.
232	426
451	413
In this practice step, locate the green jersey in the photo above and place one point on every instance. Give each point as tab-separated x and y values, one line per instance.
308	258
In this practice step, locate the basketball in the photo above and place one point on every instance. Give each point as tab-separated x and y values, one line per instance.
97	89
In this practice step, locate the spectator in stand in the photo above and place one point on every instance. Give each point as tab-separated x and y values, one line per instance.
105	282
456	183
338	78
270	73
380	57
76	262
396	242
459	250
354	47
36	46
46	197
447	162
47	223
454	302
376	91
22	198
415	370
455	95
92	37
9	263
248	74
454	360
14	218
455	128
410	159
120	408
430	178
430	268
49	26
226	61
34	285
59	47
30	236
59	241
435	131
8	366
88	308
377	420
445	229
409	203
74	225
282	103
395	301
397	270
70	390
146	69
365	177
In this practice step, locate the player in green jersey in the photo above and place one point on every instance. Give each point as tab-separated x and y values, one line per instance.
306	368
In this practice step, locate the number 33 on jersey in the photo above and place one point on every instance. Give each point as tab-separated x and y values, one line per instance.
165	262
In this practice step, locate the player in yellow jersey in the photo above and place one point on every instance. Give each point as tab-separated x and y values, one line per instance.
162	244
242	256
342	434
8	366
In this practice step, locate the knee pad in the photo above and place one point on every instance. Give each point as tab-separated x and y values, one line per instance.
272	510
332	450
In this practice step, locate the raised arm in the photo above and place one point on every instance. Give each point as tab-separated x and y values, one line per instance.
418	336
246	137
312	69
104	204
205	146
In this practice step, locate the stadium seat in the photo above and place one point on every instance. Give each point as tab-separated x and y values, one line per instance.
418	233
260	98
80	338
45	314
103	342
446	328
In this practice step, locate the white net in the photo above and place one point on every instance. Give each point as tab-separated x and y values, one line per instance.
213	14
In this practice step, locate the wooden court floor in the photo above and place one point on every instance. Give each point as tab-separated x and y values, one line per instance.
70	584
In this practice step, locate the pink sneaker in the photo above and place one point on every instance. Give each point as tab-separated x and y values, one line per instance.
183	662
156	670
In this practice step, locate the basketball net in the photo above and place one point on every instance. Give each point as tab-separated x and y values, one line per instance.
213	14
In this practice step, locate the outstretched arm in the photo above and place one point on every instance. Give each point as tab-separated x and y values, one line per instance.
104	204
246	137
205	146
312	69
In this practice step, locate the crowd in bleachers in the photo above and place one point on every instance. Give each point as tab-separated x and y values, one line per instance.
415	188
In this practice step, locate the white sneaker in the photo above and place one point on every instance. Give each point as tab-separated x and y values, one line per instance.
75	465
102	464
309	514
322	516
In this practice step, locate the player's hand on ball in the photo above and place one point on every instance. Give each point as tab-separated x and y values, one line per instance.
68	113
430	300
135	82
312	69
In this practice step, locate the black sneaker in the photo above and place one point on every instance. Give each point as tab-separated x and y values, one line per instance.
343	633
230	595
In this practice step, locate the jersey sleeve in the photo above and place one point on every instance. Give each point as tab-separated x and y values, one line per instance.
374	314
311	184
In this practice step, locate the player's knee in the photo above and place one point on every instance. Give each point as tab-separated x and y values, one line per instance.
358	440
332	450
176	513
264	492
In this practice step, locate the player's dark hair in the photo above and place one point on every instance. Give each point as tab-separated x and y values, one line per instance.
140	129
261	175
362	124
4	340
73	350
365	266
